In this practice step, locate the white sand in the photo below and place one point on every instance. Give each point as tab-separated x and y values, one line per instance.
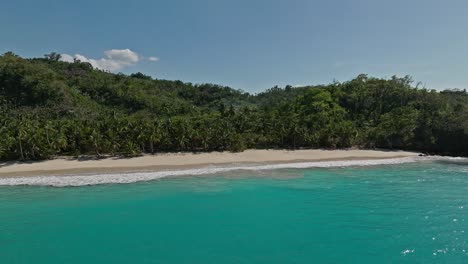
188	160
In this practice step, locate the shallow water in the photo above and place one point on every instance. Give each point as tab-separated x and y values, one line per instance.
400	213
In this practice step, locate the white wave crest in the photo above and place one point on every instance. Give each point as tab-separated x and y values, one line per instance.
81	180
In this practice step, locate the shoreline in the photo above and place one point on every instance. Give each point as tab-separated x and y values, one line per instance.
67	166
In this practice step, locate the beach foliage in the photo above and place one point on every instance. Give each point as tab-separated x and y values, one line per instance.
49	107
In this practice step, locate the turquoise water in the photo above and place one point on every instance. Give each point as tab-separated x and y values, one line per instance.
408	213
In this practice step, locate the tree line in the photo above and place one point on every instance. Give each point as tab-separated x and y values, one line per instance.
50	108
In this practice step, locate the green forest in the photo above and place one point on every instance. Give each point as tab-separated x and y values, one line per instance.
51	108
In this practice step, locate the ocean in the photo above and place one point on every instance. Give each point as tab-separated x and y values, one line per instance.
404	211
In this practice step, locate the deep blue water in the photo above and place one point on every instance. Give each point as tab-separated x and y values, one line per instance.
407	213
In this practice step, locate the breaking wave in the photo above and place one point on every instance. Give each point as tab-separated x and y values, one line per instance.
130	177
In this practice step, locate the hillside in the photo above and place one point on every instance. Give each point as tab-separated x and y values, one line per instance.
49	107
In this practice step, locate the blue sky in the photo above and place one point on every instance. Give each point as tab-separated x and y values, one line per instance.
251	44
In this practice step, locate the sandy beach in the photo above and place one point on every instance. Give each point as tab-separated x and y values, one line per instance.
68	165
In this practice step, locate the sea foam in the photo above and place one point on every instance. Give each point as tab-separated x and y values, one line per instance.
130	177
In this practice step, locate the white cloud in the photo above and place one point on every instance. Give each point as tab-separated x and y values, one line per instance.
153	58
114	59
124	55
66	57
298	85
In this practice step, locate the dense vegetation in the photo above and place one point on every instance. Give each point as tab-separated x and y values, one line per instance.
49	107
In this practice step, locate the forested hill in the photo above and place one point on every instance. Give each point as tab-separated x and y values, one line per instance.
49	108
